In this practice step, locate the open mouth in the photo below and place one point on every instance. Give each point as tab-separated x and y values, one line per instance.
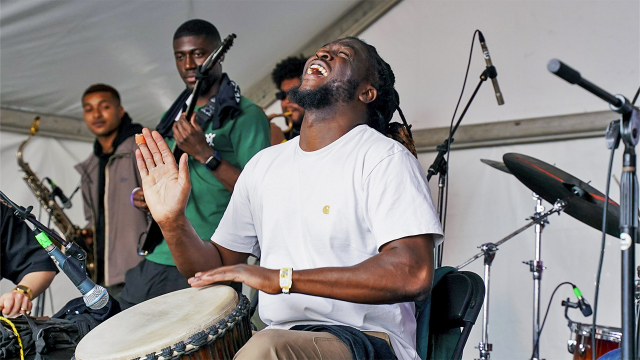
318	70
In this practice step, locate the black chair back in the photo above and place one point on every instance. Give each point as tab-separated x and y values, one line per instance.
456	301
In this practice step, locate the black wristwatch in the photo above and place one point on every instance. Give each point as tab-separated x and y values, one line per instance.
213	162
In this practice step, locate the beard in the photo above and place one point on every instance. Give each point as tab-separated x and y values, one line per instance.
325	95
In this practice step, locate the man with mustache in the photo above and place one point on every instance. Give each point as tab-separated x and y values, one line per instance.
349	250
286	75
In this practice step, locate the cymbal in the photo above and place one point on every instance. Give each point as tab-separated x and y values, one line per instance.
496	165
583	201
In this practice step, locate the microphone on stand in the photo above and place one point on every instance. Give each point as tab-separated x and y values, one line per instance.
94	296
492	72
57	192
582	303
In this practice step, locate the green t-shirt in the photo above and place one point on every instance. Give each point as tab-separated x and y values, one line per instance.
237	140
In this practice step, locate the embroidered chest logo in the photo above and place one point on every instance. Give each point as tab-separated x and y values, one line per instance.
326	209
209	137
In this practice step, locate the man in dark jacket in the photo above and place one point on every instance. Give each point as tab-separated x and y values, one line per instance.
109	178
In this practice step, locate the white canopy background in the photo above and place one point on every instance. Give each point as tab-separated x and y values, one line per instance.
51	51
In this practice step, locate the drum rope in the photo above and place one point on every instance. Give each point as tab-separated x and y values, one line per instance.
13	327
232	324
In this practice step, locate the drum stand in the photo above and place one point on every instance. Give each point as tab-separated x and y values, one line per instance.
535	266
488	250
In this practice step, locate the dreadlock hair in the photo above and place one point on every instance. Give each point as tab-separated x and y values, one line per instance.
197	27
380	111
289	68
101	88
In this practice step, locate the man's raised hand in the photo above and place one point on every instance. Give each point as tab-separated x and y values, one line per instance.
166	186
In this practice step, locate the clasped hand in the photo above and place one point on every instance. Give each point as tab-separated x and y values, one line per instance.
190	138
14	303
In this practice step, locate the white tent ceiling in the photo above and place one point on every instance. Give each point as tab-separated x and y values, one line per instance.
52	50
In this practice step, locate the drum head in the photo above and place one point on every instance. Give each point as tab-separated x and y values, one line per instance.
158	323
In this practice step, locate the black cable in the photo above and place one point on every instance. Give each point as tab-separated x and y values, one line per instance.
635	97
603	242
464	84
76	189
535	345
602	247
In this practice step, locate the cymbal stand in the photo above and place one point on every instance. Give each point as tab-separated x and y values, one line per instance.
536	267
488	250
629	126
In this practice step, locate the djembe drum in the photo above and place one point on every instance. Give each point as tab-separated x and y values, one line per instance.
197	323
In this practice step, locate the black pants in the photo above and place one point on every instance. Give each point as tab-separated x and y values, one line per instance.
148	280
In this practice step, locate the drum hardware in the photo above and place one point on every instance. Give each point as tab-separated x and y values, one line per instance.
607	338
488	250
536	268
626	129
583	203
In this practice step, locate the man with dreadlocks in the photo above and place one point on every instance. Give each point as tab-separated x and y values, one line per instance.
349	250
286	75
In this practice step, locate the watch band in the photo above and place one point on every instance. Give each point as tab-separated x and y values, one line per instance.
213	162
24	290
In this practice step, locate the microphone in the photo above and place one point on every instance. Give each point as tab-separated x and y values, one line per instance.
56	191
492	72
94	296
617	103
582	303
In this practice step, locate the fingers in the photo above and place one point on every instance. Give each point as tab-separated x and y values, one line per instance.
138	200
152	145
167	155
142	166
183	170
14	303
194	123
146	150
25	306
222	274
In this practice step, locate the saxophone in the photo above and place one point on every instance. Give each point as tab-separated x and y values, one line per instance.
71	232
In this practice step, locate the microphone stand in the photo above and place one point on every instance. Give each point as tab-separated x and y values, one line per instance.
440	166
629	124
74	253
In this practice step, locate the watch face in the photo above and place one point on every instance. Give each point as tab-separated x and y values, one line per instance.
213	163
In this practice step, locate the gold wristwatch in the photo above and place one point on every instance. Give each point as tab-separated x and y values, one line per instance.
25	290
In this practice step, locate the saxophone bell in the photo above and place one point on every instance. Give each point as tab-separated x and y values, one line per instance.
287	117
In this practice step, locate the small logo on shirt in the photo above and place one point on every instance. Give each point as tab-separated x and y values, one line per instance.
325	209
209	137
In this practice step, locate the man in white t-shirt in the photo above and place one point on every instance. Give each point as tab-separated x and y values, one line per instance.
353	238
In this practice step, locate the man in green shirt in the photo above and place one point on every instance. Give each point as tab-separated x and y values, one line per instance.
225	132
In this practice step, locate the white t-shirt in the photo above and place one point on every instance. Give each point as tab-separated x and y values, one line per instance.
329	208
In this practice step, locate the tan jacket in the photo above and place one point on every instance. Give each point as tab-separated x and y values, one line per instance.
123	222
